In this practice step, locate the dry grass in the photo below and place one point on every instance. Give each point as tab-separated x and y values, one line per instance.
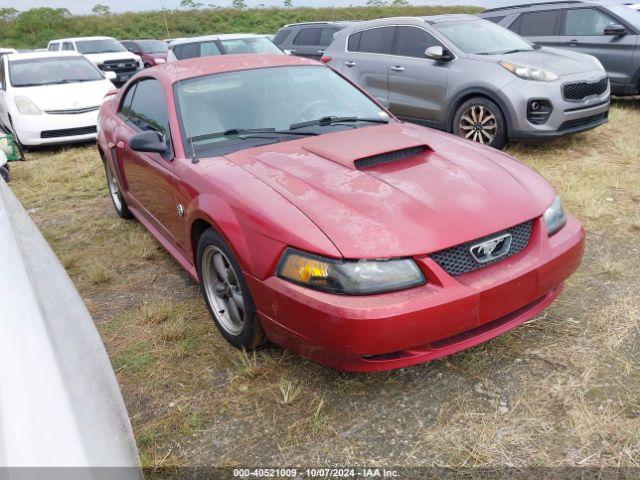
563	390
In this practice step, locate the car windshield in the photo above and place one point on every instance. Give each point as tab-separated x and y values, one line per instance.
267	98
152	46
481	37
49	71
249	45
99	46
631	13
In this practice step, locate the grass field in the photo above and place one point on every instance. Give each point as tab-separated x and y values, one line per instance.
561	390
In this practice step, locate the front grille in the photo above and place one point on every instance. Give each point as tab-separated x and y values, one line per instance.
458	260
581	122
125	65
73	111
389	157
68	132
581	90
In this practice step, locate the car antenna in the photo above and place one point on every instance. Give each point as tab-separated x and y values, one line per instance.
194	159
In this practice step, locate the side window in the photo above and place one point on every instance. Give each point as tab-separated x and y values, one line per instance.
67	46
413	41
281	36
149	107
536	24
3	86
377	40
54	47
496	19
125	108
307	36
326	36
195	50
586	22
209	49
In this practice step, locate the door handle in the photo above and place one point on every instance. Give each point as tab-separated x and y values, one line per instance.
321	52
349	63
397	68
292	50
573	43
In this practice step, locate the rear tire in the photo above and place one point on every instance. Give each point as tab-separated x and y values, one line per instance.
119	203
226	293
481	120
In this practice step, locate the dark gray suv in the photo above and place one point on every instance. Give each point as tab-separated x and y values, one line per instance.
606	29
308	39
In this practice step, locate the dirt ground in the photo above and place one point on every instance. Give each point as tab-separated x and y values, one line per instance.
563	390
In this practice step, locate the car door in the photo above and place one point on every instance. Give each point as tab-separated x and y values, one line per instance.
417	85
583	31
539	27
147	177
366	61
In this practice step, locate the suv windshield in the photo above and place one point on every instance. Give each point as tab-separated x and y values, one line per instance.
99	46
249	45
152	46
48	71
631	13
269	98
481	37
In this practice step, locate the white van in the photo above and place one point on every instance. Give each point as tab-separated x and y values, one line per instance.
106	53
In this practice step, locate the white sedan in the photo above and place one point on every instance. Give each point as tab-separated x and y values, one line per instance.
50	97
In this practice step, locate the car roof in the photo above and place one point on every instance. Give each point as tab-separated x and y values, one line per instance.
449	17
197	67
546	5
204	38
74	39
45	54
340	23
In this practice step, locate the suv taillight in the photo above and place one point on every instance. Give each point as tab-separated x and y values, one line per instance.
325	59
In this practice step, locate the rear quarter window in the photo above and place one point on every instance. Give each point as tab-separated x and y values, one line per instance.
281	36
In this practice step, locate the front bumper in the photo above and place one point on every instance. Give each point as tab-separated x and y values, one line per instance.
48	129
568	116
449	314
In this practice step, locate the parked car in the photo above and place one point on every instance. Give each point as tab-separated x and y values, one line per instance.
311	215
607	29
106	53
212	45
309	39
152	52
468	76
51	97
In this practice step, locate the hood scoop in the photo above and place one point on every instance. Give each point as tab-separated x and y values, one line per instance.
389	157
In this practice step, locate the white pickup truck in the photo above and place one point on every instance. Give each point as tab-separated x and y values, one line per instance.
106	53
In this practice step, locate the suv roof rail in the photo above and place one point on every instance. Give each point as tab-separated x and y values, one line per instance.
535	4
326	22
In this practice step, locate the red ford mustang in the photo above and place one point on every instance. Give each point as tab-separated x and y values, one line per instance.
313	218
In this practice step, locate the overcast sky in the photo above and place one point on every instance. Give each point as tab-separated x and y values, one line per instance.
79	7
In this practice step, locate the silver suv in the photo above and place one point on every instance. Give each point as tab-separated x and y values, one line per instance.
472	77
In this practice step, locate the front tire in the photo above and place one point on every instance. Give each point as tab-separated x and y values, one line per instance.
226	293
117	199
481	120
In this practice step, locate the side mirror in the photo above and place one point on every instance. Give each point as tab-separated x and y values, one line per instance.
437	53
111	75
149	141
615	30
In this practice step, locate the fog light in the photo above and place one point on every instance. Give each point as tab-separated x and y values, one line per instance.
539	111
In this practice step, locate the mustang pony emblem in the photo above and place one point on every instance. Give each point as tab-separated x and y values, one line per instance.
491	249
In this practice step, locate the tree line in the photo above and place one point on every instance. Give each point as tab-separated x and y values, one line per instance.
34	28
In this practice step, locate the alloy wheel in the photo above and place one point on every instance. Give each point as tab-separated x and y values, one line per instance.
478	123
221	285
114	189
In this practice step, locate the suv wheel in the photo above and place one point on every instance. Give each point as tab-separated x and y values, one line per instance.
480	120
226	293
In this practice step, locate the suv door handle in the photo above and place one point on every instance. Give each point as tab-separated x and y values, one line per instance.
397	68
573	42
321	52
349	63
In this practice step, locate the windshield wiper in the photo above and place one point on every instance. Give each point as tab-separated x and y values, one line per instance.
247	133
515	50
326	121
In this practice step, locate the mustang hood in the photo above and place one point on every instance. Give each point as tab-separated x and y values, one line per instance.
432	192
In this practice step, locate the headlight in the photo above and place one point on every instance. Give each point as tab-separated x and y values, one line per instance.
351	277
26	106
159	61
554	217
530	73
